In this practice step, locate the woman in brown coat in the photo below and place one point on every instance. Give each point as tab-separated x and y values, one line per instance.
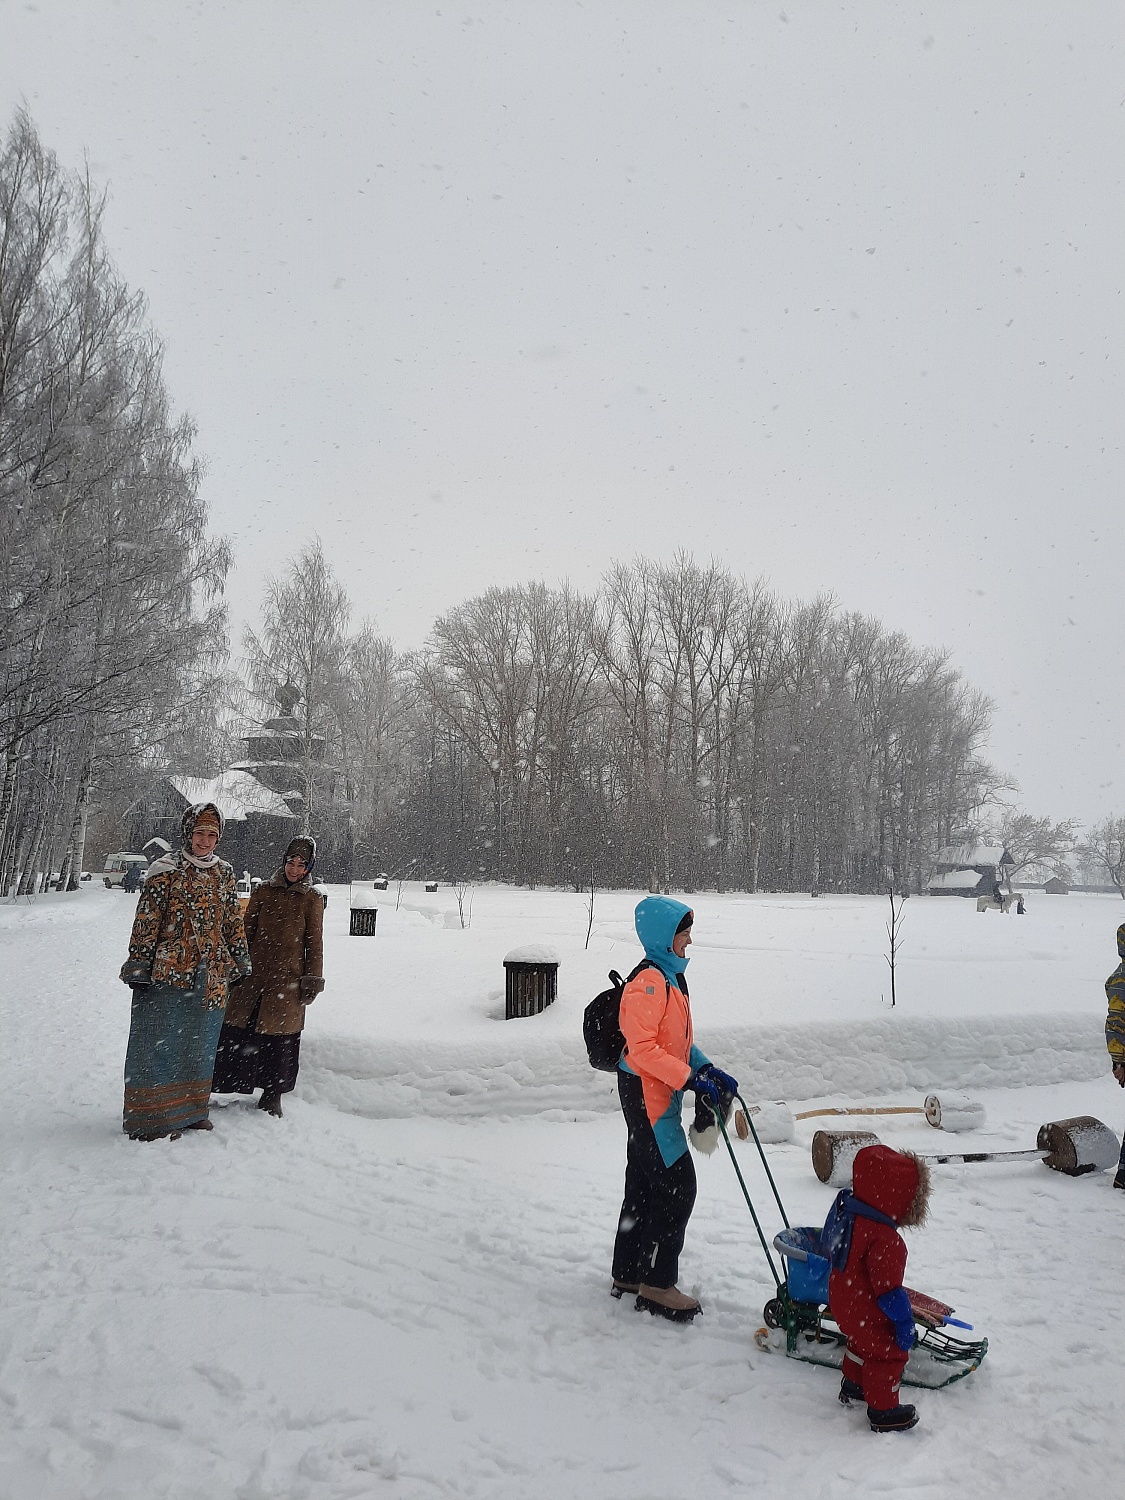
260	1043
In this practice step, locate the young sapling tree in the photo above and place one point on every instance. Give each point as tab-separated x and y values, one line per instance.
894	933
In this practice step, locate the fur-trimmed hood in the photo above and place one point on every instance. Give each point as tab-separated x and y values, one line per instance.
897	1183
918	1212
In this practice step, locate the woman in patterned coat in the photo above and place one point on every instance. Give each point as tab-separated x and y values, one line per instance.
1115	1033
186	944
260	1044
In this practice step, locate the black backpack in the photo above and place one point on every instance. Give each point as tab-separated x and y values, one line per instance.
601	1027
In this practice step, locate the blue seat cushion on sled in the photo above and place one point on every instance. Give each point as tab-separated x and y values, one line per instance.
806	1267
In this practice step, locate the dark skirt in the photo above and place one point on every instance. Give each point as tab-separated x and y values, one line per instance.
246	1060
172	1036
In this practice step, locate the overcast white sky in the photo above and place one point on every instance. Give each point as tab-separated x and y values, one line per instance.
491	291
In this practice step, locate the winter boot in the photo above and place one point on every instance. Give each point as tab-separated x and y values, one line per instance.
1119	1180
894	1419
667	1302
850	1390
270	1102
200	1125
619	1288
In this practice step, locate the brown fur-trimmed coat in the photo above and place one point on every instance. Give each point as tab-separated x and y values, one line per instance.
284	933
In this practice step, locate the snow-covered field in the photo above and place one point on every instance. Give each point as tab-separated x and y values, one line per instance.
400	1289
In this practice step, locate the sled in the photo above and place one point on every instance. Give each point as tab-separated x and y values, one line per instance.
800	1324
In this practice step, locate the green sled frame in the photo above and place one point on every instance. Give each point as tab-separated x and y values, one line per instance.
806	1331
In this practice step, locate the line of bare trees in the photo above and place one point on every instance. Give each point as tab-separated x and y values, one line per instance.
682	727
111	616
678	727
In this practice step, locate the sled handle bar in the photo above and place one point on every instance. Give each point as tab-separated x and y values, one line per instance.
778	1280
765	1163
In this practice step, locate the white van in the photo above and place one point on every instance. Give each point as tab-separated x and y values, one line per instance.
117	864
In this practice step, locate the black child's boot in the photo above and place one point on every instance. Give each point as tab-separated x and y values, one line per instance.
894	1419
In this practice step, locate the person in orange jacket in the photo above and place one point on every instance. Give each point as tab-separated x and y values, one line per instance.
659	1062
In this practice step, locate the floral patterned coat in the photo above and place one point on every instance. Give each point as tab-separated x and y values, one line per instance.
185	915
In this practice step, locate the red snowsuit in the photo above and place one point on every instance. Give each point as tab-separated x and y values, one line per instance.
889	1181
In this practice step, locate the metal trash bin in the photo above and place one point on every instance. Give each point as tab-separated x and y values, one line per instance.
363	921
530	981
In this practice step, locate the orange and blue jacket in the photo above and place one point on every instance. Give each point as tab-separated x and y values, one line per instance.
655	1020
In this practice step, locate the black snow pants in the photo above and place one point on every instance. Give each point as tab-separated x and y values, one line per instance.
658	1200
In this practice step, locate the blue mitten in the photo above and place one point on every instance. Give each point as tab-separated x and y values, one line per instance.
896	1305
726	1083
705	1087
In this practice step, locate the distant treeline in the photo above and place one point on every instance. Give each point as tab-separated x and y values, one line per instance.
679	727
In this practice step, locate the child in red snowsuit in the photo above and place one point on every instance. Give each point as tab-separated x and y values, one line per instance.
865	1291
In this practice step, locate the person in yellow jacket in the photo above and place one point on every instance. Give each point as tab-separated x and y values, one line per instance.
1115	1032
659	1062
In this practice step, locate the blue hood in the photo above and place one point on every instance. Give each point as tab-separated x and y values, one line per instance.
656	919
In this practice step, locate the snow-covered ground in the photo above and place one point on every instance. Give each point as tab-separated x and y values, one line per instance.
400	1289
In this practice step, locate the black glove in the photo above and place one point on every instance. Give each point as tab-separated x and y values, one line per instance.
137	976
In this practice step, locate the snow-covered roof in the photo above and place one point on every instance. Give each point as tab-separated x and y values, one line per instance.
532	953
964	856
956	880
234	793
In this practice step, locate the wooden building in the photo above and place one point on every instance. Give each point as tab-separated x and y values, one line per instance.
969	869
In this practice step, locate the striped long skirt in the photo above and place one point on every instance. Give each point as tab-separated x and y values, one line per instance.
172	1039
